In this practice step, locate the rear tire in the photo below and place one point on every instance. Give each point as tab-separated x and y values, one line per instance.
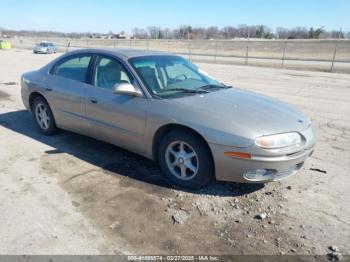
43	116
186	159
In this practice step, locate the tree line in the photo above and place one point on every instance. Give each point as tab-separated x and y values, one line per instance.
189	32
241	31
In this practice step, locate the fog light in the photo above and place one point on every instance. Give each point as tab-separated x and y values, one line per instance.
259	175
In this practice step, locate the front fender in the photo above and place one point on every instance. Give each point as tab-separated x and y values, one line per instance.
210	135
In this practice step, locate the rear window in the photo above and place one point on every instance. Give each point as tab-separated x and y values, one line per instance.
74	68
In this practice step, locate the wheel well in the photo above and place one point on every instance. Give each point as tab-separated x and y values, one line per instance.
161	132
32	98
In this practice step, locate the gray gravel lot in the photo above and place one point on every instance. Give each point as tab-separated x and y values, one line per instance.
70	194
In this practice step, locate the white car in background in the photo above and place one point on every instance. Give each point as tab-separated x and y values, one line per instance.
45	47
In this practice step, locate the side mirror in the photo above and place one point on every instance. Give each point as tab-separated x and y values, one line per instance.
126	89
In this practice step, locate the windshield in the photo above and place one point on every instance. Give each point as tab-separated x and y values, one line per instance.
172	75
43	44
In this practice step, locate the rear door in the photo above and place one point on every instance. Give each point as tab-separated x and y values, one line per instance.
66	86
115	118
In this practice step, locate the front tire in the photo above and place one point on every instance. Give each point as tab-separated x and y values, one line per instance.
43	116
185	159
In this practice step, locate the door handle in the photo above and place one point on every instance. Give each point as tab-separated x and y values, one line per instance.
93	100
48	89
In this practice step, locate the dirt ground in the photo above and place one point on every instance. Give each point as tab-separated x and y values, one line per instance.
70	194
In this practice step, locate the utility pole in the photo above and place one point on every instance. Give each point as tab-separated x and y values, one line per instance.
334	55
335	49
247	49
339	36
284	53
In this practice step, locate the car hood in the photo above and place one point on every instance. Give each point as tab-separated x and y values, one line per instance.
240	112
40	48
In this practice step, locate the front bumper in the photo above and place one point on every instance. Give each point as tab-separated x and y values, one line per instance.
40	51
277	166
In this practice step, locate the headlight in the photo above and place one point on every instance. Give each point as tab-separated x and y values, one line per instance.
279	141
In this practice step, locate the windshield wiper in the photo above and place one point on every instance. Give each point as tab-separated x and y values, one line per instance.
213	86
185	90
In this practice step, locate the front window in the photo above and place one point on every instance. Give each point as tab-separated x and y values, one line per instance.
166	75
109	72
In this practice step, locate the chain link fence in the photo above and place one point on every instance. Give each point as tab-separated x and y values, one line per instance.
318	55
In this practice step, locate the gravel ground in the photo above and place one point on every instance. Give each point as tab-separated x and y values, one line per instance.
74	195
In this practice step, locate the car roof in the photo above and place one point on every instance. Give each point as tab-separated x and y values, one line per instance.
125	53
45	42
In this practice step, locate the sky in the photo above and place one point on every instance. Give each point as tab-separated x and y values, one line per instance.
116	15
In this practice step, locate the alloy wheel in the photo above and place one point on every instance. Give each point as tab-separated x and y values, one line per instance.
182	160
42	116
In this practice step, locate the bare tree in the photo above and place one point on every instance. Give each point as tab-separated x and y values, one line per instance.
199	33
295	33
337	34
140	33
243	31
153	32
263	32
166	33
212	32
282	33
183	32
229	32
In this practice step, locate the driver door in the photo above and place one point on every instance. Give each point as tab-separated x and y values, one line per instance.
115	118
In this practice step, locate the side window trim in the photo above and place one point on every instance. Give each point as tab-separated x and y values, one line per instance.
91	69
